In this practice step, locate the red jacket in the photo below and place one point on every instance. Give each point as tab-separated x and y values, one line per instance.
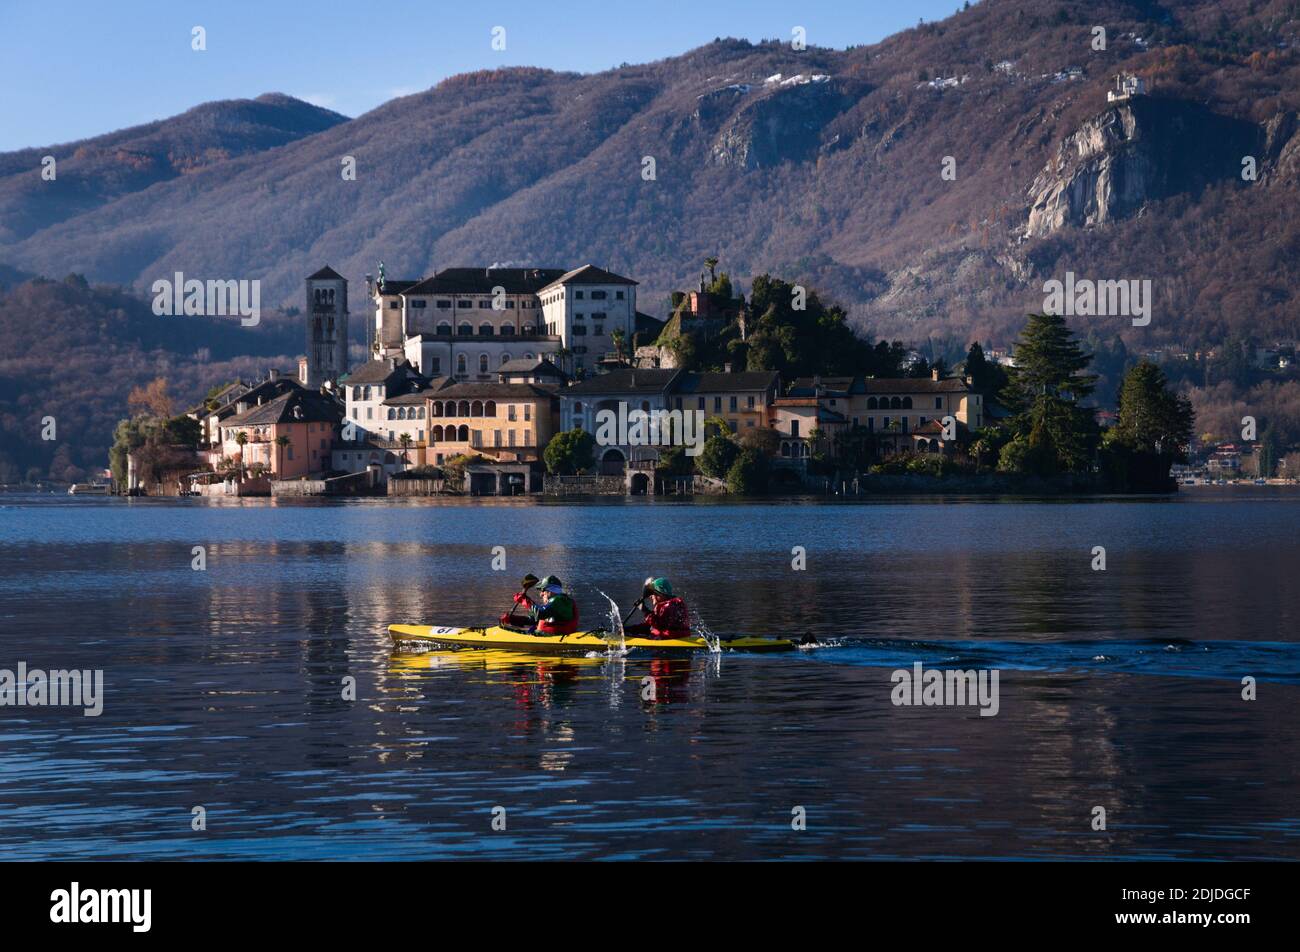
669	619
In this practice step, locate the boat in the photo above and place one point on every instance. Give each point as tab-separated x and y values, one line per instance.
88	489
498	636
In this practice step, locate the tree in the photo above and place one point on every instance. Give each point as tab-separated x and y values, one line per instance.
1044	391
405	440
281	442
748	473
711	263
620	342
1153	419
151	400
765	439
241	438
718	455
987	377
570	452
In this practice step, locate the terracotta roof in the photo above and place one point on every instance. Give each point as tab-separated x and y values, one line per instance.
589	274
484	280
301	406
914	385
713	382
523	365
626	380
479	391
326	274
379	371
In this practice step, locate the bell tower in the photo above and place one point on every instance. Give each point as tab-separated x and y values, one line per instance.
327	328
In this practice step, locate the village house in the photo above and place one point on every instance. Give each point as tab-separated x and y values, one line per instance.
508	422
741	399
646	390
285	438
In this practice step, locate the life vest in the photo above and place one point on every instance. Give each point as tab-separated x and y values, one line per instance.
554	622
670	619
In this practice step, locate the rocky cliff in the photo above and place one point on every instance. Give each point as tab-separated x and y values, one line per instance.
1137	151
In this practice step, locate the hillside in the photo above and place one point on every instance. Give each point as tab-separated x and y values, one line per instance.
90	346
835	181
96	172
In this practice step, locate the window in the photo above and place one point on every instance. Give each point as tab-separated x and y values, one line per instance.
504	359
597	315
485	329
510	305
580	331
465	329
393	305
749	402
938	403
461	364
717	404
577	295
510	412
528	411
599	295
465	304
701	403
444	329
419	302
733	406
618	295
442	304
507	330
794	427
482	363
435	365
484	305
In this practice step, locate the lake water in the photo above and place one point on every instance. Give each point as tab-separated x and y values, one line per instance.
223	688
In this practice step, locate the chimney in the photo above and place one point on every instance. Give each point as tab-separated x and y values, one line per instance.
934	373
726	367
273	374
970	380
241	406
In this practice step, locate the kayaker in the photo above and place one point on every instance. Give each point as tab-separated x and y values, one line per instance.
666	615
521	612
558	612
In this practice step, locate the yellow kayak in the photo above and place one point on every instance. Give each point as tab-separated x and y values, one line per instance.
496	636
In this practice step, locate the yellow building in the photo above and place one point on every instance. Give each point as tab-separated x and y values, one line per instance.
742	399
505	421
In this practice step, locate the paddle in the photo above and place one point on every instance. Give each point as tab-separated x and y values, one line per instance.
527	582
640	602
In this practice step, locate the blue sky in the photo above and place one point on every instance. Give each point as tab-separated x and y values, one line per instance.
79	68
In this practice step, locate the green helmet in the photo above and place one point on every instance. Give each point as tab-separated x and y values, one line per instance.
549	581
662	586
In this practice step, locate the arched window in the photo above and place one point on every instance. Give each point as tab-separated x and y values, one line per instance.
435	434
504	358
392	414
463	434
490	408
435	408
462	408
507	330
465	329
528	356
872	403
476	408
485	328
444	328
577	406
907	403
895	404
482	363
462	366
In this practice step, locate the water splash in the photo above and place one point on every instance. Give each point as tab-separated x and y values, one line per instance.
698	627
615	637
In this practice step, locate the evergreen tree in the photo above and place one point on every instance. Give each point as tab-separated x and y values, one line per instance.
1153	419
1044	390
